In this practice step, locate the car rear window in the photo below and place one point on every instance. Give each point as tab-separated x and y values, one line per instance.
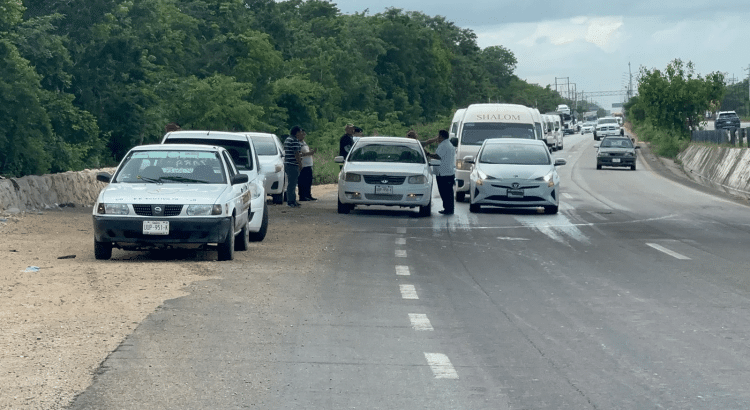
264	146
239	150
728	115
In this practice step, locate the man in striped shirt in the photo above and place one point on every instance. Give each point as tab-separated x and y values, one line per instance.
292	164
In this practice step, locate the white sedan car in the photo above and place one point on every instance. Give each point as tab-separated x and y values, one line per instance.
164	196
587	127
271	156
390	171
518	173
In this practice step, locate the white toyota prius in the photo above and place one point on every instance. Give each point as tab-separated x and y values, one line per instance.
390	171
164	196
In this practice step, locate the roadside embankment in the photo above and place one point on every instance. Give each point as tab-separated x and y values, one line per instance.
727	169
37	192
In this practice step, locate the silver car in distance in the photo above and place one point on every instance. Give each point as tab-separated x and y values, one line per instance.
517	173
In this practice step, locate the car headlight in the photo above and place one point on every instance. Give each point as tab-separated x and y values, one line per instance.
417	179
203	210
549	179
630	154
464	166
352	177
255	191
480	177
113	209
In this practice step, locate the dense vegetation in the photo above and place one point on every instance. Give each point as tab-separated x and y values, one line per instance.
671	103
82	81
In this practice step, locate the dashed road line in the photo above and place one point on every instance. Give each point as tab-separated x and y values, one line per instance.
668	251
401	229
408	292
400	241
402	270
441	366
400	253
420	322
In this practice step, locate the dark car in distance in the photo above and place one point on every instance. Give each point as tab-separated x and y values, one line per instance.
726	119
616	152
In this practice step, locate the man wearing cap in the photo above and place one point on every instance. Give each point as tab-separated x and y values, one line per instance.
292	163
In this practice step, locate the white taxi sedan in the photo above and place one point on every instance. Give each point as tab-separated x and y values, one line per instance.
514	173
164	196
390	171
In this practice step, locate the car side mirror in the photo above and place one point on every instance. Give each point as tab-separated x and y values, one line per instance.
104	177
637	147
560	162
435	162
469	159
596	146
339	159
454	141
240	179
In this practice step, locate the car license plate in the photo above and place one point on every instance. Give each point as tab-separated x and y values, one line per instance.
156	227
515	193
615	159
384	189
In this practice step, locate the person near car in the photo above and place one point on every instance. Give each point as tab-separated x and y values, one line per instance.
306	173
347	140
445	174
292	164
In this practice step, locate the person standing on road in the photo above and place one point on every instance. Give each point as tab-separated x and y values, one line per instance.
347	140
446	172
292	164
306	174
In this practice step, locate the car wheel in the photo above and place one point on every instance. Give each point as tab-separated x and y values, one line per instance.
226	248
632	167
277	198
244	237
344	208
261	234
460	196
425	210
102	250
598	166
550	209
475	208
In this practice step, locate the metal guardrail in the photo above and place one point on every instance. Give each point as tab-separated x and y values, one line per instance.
731	136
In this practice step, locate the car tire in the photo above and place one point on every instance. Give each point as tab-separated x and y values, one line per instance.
632	167
261	234
551	209
277	198
598	166
102	250
226	249
244	237
460	196
426	210
475	208
344	208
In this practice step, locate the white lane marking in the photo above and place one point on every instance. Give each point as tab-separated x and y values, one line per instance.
508	238
553	226
400	229
402	270
408	292
567	195
400	241
441	366
668	251
419	321
400	253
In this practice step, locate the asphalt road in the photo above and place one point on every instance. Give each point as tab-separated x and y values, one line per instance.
635	296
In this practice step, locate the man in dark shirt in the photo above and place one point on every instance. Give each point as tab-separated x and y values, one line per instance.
346	141
292	164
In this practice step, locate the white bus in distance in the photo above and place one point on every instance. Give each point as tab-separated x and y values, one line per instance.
483	121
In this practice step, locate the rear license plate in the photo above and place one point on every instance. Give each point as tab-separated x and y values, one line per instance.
615	159
156	227
515	193
384	189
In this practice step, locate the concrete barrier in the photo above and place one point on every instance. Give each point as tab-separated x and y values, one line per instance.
38	192
727	169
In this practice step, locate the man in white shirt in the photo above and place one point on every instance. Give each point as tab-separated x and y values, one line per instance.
446	172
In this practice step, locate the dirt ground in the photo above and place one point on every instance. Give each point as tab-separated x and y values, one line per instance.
62	311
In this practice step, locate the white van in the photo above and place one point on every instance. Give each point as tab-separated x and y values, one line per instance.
538	126
550	135
458	116
483	121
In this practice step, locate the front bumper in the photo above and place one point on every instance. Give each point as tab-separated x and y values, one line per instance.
274	183
616	161
129	230
406	195
535	193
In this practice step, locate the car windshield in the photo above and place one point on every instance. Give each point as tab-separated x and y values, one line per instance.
608	121
171	167
474	133
387	153
264	146
519	154
616	143
237	149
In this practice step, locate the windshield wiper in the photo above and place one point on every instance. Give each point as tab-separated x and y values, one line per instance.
150	180
183	179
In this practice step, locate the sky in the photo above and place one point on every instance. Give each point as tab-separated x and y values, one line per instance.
597	46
